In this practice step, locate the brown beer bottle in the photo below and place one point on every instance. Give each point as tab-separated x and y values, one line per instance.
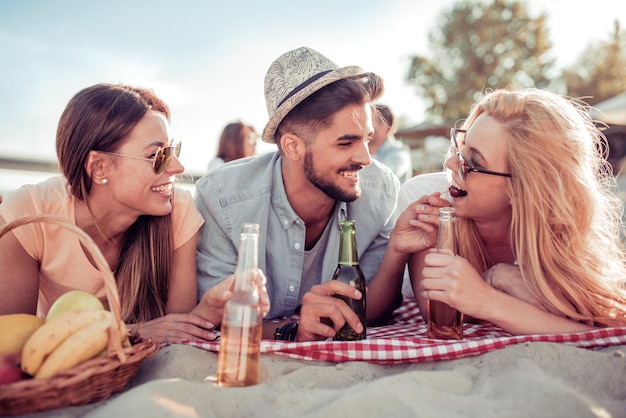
241	330
348	271
445	322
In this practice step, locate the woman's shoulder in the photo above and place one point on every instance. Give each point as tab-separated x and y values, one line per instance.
49	196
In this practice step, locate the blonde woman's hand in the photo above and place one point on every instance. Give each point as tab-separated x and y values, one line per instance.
416	228
508	278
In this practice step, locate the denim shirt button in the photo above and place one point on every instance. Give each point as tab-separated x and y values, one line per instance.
292	288
297	246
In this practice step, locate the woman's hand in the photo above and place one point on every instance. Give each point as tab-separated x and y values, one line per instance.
211	306
176	327
452	280
416	228
507	278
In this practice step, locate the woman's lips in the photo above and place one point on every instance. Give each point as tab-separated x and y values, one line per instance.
457	192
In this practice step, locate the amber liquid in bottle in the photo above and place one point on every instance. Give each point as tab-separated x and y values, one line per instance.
348	271
445	322
239	355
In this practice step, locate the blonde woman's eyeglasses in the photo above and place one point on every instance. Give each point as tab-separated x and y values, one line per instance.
465	166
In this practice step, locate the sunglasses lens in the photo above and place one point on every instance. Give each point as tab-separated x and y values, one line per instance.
164	156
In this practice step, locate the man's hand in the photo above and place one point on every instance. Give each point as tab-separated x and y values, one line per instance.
322	314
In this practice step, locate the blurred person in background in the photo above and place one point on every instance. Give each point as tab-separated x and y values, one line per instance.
238	140
385	148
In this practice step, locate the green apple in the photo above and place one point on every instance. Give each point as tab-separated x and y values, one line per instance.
74	300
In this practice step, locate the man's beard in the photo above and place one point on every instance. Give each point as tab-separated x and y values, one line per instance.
331	190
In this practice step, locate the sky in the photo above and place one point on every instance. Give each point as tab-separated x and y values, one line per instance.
207	59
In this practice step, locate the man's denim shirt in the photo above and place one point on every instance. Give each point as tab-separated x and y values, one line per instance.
252	190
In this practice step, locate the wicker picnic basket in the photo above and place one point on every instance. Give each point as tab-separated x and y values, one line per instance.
94	380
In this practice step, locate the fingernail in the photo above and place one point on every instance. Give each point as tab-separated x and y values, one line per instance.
210	324
422	216
420	207
359	328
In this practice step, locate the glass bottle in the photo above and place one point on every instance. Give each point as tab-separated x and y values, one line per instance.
445	322
348	271
242	324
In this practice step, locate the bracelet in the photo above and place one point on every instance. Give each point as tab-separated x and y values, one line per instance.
287	332
491	275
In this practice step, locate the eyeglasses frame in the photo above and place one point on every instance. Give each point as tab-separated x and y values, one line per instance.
158	168
465	166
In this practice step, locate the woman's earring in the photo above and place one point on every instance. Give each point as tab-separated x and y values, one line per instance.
105	181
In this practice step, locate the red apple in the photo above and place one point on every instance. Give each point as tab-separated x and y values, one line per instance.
10	368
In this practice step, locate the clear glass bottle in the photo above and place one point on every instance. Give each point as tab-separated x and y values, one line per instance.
443	321
242	325
348	271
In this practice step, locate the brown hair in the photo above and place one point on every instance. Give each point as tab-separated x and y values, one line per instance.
231	145
385	115
99	118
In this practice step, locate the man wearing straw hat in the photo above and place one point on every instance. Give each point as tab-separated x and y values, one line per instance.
320	118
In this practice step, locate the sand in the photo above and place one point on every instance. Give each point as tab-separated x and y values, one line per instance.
533	379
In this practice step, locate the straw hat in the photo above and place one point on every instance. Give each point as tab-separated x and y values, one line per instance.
293	77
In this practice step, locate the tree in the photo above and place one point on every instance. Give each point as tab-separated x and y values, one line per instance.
478	46
600	71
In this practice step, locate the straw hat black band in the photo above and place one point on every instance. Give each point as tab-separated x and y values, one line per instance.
303	85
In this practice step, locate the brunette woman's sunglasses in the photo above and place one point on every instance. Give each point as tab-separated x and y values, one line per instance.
161	158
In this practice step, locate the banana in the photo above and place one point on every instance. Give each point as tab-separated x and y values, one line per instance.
84	344
52	333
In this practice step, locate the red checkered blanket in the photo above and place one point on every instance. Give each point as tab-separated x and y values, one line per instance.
404	341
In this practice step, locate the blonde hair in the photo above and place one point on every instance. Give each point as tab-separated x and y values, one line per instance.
566	224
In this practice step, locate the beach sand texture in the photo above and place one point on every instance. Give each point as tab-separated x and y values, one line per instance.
535	379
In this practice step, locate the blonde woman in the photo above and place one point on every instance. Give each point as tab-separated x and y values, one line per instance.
539	225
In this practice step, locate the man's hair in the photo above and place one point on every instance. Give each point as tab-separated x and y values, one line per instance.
316	111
